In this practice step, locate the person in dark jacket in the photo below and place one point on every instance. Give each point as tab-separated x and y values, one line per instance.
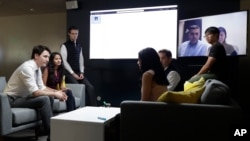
170	70
73	60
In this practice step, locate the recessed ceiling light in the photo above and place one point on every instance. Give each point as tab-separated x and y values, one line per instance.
32	9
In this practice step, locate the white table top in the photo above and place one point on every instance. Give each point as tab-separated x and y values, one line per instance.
89	114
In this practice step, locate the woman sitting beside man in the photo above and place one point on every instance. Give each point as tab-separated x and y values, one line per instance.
53	77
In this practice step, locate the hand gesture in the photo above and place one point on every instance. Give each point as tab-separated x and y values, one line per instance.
77	77
61	95
81	76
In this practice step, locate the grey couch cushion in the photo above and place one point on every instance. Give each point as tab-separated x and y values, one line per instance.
216	92
2	83
78	102
60	106
23	116
27	115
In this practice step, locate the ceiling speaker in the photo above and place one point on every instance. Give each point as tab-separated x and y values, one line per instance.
71	5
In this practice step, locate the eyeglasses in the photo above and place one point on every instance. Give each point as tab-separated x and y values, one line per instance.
208	36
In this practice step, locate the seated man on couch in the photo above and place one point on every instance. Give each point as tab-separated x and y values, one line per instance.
25	87
172	75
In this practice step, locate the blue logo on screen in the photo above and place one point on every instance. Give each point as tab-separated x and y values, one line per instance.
95	19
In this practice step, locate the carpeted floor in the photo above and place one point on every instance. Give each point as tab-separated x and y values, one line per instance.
26	135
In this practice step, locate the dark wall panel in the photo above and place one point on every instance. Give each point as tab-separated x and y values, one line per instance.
117	80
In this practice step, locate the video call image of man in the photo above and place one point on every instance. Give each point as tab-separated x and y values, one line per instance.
194	46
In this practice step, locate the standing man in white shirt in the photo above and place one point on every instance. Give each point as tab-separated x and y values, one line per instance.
172	74
25	87
73	61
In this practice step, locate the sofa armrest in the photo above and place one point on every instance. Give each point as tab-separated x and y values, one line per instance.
2	83
144	120
78	90
5	115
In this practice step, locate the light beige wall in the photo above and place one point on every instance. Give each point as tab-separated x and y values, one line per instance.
18	35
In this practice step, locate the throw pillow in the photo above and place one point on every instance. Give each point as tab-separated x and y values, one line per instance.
189	86
216	92
206	76
191	94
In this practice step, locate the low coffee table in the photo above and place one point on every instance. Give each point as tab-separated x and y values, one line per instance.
84	124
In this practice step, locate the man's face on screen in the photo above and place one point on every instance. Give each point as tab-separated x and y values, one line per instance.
73	35
194	35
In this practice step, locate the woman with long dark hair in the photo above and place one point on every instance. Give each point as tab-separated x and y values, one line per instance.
230	49
154	81
53	77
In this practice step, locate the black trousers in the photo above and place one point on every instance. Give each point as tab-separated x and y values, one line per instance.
71	104
90	94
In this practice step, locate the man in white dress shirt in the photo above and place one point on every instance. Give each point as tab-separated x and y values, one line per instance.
25	87
172	74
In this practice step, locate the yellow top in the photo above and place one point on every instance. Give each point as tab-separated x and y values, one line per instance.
63	84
